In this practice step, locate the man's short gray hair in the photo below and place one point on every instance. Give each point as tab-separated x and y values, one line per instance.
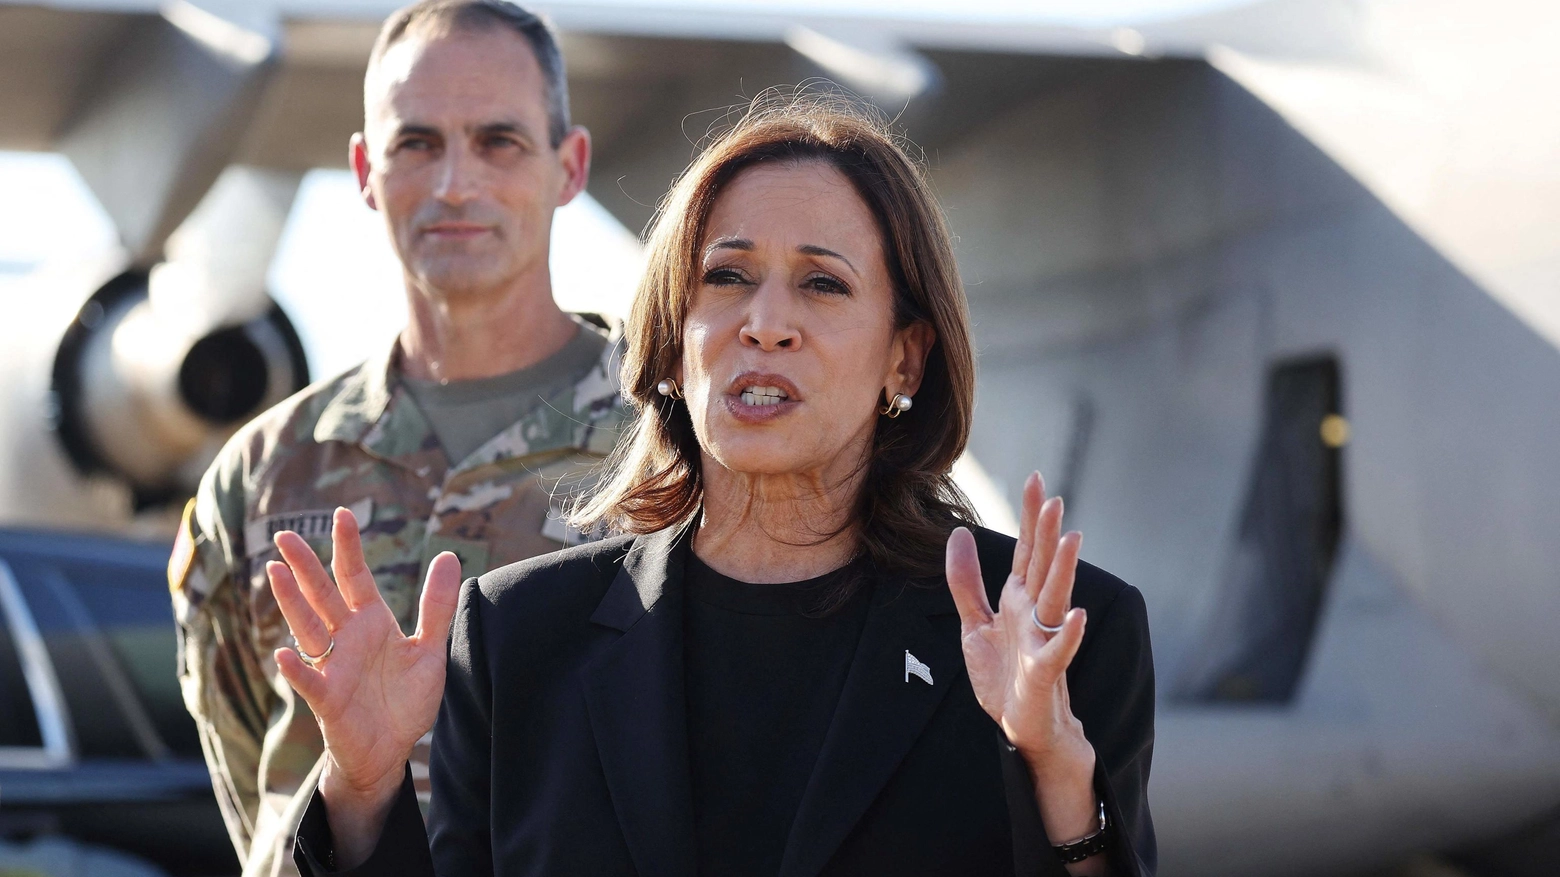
442	16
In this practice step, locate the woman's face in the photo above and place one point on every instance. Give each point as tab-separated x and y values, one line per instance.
790	342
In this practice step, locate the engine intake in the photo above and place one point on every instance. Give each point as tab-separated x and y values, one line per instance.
150	397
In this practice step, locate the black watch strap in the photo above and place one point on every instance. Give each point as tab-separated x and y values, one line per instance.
1088	845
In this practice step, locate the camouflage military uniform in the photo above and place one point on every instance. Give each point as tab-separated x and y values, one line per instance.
357	441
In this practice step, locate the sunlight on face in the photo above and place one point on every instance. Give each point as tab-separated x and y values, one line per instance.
790	338
460	161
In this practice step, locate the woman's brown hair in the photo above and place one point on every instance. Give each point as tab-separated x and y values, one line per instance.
908	502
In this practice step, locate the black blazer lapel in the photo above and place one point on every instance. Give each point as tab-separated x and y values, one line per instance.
638	712
881	712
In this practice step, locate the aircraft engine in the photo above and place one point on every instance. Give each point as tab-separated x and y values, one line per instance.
147	383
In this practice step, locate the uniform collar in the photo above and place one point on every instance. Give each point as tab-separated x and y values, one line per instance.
362	399
373	410
585	417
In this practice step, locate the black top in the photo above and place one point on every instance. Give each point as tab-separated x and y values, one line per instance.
562	745
750	758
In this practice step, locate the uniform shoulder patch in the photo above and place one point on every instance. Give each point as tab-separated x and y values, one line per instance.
182	560
187	582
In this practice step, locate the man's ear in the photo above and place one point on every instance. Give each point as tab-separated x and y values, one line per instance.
912	345
574	155
357	156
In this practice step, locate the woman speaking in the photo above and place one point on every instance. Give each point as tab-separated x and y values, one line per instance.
801	657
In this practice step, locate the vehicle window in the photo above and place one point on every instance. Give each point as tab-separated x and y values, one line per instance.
131	608
100	727
103	609
18	718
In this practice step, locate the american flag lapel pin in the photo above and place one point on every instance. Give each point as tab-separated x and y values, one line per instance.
917	669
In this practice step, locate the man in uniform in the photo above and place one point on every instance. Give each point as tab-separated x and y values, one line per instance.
455	438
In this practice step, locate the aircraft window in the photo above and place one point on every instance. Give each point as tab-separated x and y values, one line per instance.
18	718
1275	576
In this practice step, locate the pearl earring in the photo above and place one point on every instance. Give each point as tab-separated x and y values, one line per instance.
668	388
896	406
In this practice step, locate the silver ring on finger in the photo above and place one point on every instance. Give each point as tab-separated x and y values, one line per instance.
316	660
1034	615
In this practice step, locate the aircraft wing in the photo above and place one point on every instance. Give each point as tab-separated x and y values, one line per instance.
151	100
1429	104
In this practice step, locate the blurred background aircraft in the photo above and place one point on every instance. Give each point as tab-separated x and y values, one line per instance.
1269	290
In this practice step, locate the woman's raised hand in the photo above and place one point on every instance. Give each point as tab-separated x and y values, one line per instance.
1018	669
377	691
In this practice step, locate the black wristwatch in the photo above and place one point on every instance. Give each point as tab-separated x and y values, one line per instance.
1088	845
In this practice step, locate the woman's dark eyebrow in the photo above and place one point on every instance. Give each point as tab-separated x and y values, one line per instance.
815	250
746	245
742	244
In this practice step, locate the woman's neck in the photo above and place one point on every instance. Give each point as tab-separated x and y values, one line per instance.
771	529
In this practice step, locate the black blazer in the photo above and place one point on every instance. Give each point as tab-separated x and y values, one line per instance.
561	746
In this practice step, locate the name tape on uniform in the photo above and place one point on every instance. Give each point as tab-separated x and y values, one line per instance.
314	524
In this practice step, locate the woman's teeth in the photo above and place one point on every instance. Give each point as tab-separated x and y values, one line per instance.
762	396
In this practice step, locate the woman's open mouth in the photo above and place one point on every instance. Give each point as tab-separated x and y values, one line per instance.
763	396
754	397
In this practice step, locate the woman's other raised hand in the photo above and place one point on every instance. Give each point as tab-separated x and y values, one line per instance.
377	691
1019	670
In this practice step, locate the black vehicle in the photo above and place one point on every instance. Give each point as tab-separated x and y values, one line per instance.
95	743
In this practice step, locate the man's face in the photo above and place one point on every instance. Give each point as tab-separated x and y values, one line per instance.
456	156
